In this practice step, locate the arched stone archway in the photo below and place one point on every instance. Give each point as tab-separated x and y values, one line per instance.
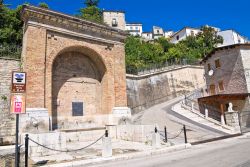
71	62
76	89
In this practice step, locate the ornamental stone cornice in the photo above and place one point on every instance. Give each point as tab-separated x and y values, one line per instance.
60	22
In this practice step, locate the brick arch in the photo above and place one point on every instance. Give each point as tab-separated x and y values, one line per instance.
49	34
98	55
87	51
76	71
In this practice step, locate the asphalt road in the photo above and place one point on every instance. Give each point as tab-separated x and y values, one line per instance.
163	115
234	152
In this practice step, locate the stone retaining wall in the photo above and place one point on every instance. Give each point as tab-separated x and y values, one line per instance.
7	126
144	91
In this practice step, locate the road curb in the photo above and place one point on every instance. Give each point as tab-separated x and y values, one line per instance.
123	157
216	139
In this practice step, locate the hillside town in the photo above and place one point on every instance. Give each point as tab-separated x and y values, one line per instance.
116	19
94	90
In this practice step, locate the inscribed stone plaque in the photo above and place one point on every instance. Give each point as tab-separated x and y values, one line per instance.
77	108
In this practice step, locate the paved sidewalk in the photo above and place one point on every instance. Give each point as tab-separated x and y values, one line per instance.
199	118
119	147
145	153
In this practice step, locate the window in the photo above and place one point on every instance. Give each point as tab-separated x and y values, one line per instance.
217	63
212	89
221	86
192	33
208	67
136	28
114	23
177	37
131	28
158	31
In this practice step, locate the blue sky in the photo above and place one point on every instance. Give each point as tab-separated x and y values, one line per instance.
169	14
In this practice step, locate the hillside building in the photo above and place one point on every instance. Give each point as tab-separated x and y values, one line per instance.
231	37
227	73
115	19
134	29
183	34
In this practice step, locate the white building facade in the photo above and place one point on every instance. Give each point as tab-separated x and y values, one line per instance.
158	32
148	36
134	29
231	37
183	34
168	34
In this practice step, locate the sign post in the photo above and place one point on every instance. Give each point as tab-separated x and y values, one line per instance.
17	150
18	104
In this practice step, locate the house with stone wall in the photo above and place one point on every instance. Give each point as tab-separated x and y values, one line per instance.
228	80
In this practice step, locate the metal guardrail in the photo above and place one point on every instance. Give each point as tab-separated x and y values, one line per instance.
191	101
10	51
213	112
152	68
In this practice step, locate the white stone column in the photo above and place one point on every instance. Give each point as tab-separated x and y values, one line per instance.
206	113
106	147
222	120
192	108
156	140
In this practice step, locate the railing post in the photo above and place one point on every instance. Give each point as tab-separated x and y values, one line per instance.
206	113
185	133
192	106
156	130
26	149
222	119
239	117
106	133
166	135
156	140
106	145
17	150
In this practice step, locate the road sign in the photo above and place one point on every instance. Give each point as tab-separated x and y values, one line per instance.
18	104
18	82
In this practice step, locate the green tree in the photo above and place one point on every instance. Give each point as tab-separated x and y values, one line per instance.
43	5
141	54
195	47
89	3
165	43
91	12
11	26
208	40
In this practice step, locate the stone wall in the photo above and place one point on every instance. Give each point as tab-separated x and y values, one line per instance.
231	72
108	17
7	126
134	133
245	56
145	91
